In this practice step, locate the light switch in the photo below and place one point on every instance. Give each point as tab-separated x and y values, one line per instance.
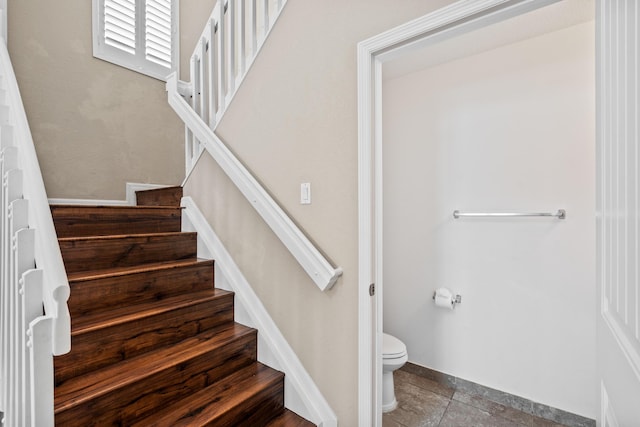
305	193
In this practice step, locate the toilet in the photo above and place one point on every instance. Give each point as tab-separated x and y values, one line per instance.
394	356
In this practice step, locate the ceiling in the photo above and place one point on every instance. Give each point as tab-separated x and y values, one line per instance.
447	48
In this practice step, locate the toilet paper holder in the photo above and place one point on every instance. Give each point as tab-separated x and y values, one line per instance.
455	299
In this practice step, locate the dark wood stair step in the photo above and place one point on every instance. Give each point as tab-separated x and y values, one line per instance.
80	220
289	419
251	397
100	290
166	196
129	331
123	393
100	252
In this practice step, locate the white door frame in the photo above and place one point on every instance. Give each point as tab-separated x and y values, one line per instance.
458	17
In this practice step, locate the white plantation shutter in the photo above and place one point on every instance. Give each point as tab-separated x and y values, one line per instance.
120	24
158	32
136	34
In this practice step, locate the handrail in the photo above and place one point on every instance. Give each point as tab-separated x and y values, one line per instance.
310	258
32	273
228	46
47	251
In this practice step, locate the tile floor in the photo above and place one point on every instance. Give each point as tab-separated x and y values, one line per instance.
422	403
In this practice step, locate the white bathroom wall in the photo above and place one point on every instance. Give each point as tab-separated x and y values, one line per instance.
510	129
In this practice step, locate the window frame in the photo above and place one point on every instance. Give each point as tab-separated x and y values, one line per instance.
135	62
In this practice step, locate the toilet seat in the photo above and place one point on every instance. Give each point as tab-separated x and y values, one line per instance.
392	347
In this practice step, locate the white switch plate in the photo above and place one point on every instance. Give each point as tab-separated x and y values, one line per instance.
305	193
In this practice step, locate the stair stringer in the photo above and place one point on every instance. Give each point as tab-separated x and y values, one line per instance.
302	395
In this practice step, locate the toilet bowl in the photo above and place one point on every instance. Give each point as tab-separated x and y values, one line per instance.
394	356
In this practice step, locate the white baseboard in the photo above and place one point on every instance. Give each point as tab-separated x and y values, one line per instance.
302	396
131	189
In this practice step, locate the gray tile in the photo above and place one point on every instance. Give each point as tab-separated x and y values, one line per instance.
459	414
497	396
541	422
402	377
439	377
561	417
388	421
493	408
417	407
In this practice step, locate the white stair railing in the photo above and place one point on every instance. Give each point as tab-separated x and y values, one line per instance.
232	38
230	41
34	318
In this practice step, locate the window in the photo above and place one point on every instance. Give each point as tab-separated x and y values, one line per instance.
137	34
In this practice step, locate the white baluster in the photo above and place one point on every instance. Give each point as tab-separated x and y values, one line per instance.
6	136
242	49
222	73
195	78
231	46
195	100
188	148
213	74
41	363
32	308
202	80
23	259
265	17
253	27
12	184
8	161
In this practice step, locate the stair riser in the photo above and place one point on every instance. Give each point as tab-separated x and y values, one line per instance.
126	340
97	295
101	221
117	407
159	197
84	254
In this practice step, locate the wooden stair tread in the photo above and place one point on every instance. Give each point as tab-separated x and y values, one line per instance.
80	390
153	342
289	419
134	269
209	404
131	313
123	236
131	208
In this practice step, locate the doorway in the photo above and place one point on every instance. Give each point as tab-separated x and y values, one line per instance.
452	21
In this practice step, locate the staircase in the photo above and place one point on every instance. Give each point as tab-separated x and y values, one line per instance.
153	342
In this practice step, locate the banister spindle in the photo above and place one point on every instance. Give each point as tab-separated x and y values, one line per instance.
213	74
24	260
32	282
195	82
231	45
265	17
202	80
253	27
242	60
222	87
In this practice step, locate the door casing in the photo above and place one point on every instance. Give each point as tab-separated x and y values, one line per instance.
457	18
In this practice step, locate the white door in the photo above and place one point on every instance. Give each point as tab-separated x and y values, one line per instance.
618	223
